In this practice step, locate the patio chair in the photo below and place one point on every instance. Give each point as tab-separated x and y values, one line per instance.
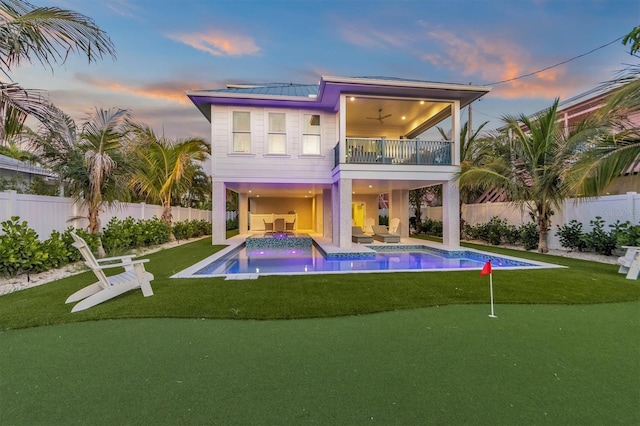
393	225
268	226
381	233
630	263
368	223
108	287
358	236
288	226
278	226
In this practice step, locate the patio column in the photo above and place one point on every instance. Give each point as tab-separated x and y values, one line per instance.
219	213
450	214
327	222
342	212
243	213
399	208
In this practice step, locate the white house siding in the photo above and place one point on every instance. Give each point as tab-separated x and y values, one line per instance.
262	167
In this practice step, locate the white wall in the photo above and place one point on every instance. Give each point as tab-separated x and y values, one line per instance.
611	208
45	214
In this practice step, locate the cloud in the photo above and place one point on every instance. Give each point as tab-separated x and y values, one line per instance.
218	43
123	8
497	60
167	91
362	34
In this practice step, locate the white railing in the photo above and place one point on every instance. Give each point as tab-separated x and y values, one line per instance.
45	214
398	151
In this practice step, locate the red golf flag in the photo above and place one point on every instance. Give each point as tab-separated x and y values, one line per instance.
486	269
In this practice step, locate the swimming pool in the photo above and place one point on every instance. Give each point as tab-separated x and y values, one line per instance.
305	260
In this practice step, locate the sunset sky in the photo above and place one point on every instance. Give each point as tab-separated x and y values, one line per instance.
167	47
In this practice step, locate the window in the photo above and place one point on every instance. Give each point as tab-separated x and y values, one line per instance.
277	140
311	134
241	131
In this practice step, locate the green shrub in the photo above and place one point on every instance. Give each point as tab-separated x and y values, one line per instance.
626	234
20	249
571	236
598	239
529	236
431	227
383	220
232	224
59	251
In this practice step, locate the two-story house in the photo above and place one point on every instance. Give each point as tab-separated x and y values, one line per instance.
321	155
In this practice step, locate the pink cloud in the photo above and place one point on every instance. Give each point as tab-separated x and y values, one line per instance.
218	43
497	60
172	92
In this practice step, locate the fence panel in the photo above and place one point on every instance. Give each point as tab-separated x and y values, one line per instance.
45	214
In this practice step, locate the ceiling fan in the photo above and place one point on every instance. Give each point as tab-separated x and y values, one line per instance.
380	117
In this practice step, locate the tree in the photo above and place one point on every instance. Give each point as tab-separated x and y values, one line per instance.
46	35
164	168
93	161
541	157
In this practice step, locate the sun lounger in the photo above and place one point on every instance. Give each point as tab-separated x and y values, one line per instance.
358	236
381	233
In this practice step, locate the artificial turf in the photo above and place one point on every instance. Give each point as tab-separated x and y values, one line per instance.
324	295
535	364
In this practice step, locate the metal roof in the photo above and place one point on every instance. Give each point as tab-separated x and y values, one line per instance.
271	89
8	163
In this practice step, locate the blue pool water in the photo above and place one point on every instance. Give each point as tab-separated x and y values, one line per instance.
300	260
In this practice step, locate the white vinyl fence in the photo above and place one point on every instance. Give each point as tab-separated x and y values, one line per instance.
45	214
610	208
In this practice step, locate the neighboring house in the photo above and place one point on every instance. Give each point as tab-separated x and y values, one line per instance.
323	154
576	109
23	172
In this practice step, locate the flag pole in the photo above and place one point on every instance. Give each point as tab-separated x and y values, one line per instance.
491	290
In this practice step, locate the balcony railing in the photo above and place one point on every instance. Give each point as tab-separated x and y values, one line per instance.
396	151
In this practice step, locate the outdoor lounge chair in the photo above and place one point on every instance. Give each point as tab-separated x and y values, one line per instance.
381	233
393	225
268	226
358	236
134	276
630	263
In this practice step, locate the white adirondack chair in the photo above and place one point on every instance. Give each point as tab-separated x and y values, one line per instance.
630	263
134	276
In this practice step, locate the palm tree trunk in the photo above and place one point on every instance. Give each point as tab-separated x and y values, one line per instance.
94	228
543	231
167	217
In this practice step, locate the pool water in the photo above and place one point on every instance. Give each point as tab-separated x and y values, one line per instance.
300	260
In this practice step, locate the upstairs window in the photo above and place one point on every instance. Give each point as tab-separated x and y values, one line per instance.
277	139
311	134
241	131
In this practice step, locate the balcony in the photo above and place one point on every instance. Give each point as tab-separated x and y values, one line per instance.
395	151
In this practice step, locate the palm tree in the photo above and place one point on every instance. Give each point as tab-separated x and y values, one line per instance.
541	154
46	35
164	167
93	161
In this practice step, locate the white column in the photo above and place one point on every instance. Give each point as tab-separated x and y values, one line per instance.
455	132
327	213
451	214
243	212
342	122
345	195
219	213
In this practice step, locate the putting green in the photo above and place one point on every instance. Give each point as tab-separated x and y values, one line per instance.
534	364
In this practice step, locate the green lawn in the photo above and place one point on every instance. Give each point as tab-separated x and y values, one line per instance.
558	353
289	297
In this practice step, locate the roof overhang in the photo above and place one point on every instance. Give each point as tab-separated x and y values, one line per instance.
330	89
